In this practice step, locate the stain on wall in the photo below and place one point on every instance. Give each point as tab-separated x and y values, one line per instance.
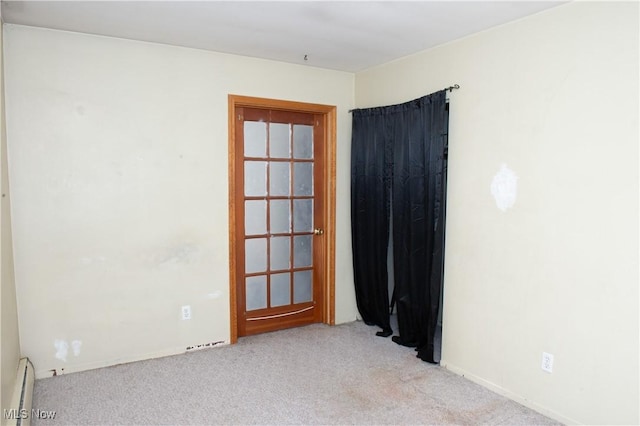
504	188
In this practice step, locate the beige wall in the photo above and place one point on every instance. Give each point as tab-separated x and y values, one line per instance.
119	177
9	339
555	98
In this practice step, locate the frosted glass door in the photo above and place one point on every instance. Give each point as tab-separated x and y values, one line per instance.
279	201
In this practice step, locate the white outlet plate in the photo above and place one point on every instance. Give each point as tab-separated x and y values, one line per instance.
186	312
547	362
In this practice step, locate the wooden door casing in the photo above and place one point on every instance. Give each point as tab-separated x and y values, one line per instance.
322	118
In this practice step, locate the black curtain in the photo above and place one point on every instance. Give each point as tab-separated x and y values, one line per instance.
371	169
399	152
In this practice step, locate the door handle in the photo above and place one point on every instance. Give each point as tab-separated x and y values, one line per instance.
318	231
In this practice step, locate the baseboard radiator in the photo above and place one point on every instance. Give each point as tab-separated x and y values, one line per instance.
20	409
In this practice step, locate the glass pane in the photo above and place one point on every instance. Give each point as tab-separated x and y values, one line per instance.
280	216
280	289
279	182
302	251
302	141
255	217
302	215
302	287
280	253
255	255
255	139
256	292
303	178
279	142
255	178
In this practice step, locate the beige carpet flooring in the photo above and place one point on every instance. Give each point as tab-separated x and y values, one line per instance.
310	375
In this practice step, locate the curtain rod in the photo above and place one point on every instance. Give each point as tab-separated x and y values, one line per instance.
450	89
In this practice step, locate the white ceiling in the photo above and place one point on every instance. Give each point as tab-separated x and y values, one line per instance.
341	35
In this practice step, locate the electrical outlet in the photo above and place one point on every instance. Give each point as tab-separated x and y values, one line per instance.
547	362
186	312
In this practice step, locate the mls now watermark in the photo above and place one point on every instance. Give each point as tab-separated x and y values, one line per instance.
15	414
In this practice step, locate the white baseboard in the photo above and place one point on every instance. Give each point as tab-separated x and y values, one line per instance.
41	374
509	394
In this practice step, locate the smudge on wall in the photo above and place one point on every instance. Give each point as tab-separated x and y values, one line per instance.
62	348
75	345
504	188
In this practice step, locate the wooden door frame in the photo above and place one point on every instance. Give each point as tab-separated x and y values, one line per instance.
329	113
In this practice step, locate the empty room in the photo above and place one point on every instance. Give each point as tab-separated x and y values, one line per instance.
306	212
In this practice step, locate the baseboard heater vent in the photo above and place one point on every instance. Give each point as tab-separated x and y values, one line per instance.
20	411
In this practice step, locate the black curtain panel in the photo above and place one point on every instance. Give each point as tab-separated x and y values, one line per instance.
419	158
414	136
371	168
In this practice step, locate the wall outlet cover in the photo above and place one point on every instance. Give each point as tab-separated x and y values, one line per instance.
186	312
547	362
